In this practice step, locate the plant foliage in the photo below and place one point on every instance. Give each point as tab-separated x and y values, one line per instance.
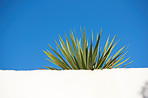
75	57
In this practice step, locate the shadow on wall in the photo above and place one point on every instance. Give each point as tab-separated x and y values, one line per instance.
144	91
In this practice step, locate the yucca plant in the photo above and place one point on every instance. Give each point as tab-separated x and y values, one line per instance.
75	57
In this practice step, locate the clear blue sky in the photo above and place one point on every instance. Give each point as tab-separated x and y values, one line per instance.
27	26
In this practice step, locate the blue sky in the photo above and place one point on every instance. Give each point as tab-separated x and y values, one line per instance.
27	26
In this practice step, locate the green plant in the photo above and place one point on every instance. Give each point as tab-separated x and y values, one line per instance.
77	57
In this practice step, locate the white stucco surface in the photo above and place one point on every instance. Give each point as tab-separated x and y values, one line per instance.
114	83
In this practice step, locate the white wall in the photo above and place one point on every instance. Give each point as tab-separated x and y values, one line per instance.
114	83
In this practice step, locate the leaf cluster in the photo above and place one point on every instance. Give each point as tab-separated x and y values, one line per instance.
75	57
